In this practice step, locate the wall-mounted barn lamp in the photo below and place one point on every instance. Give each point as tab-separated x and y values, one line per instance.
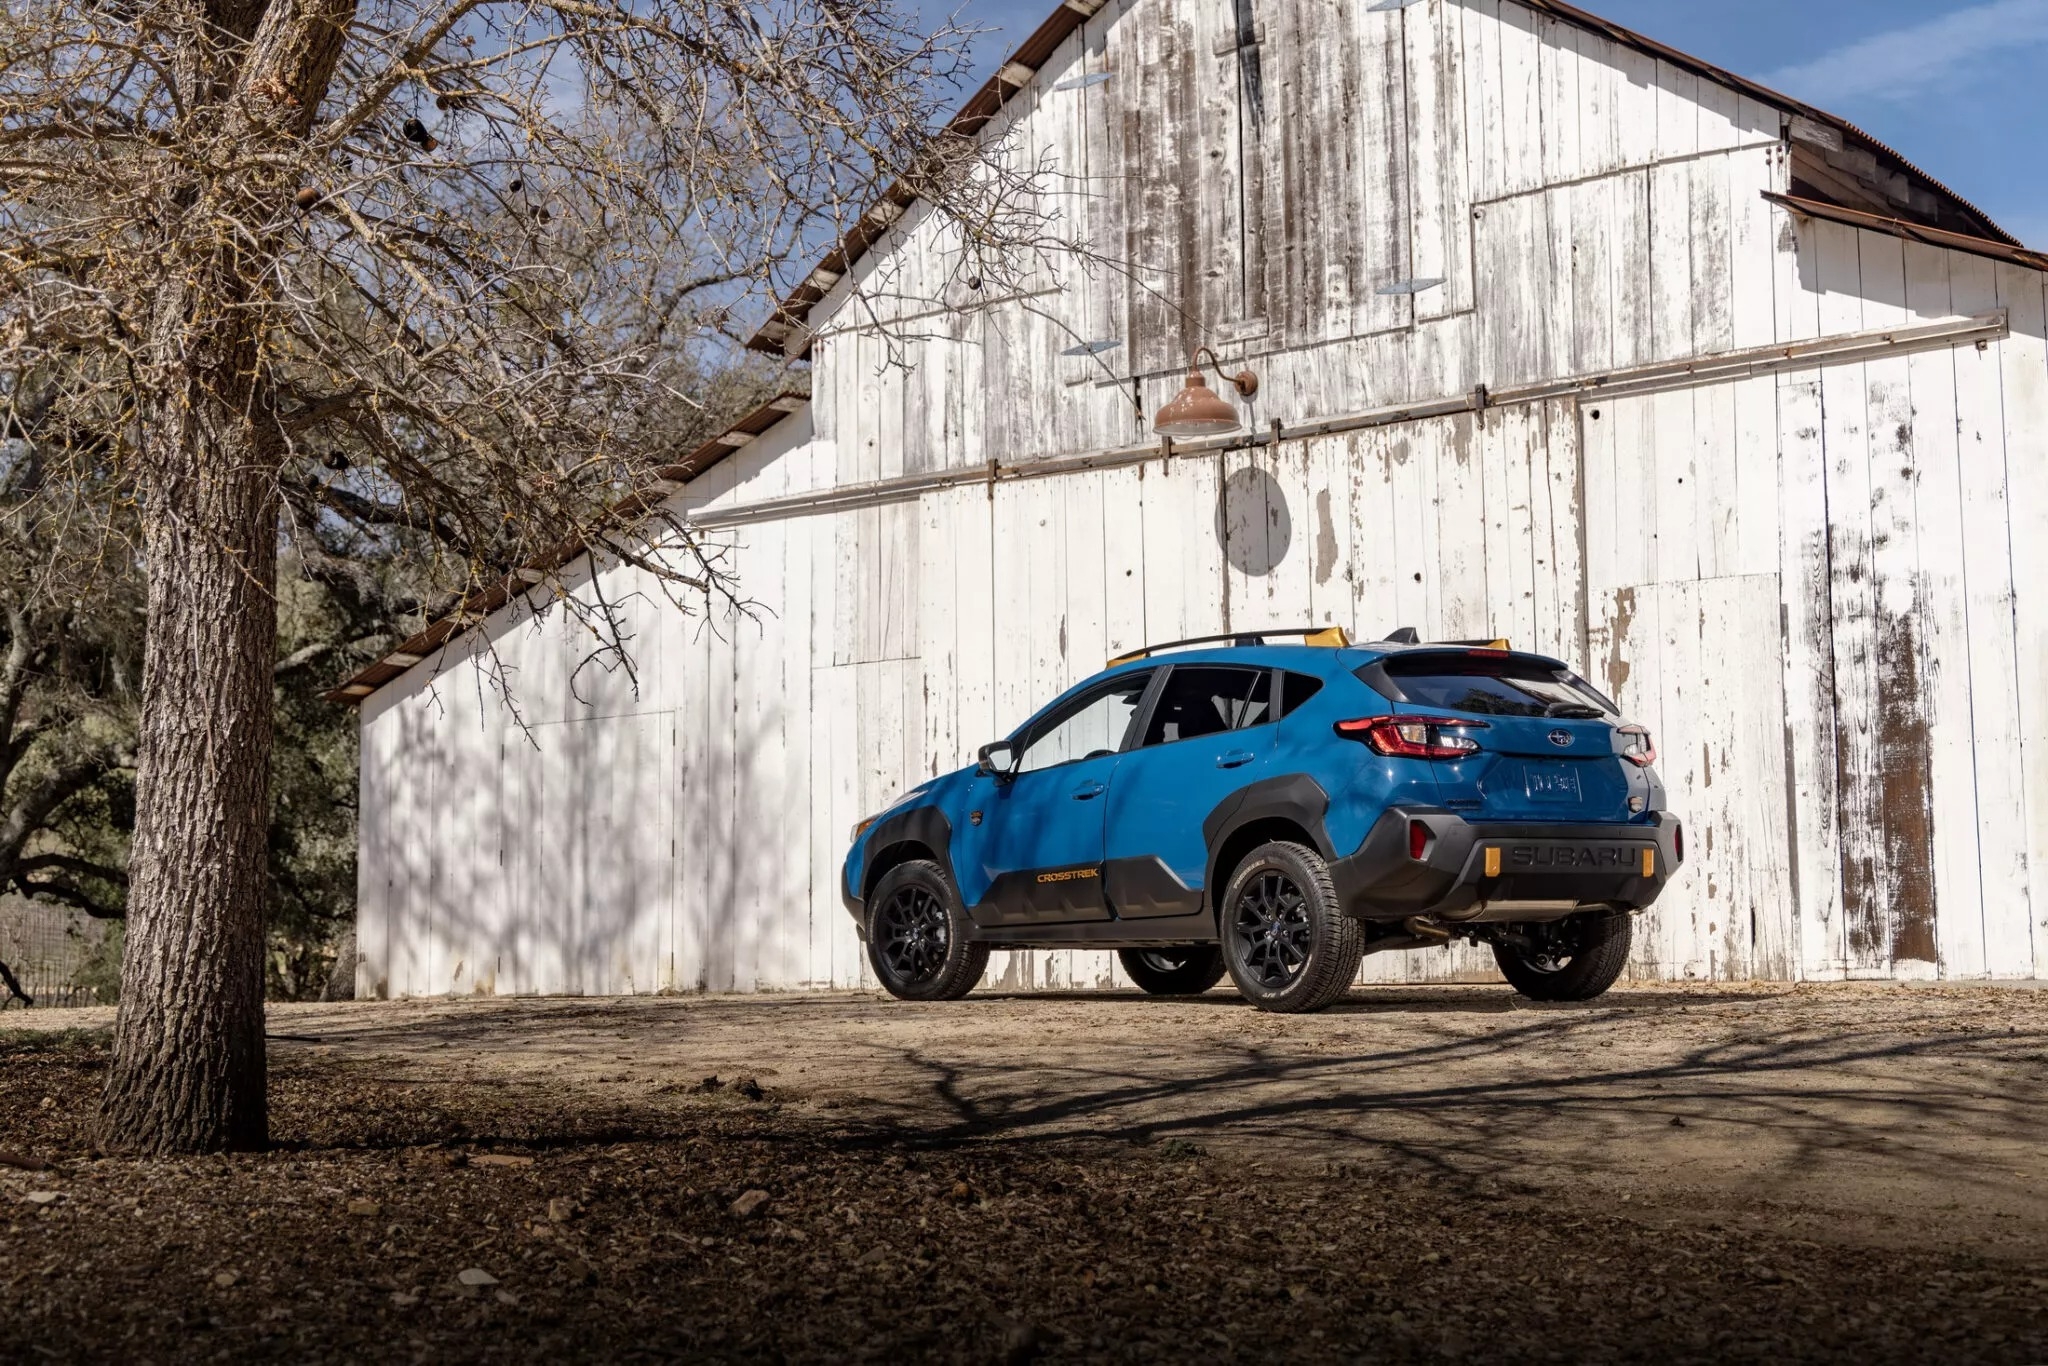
1198	410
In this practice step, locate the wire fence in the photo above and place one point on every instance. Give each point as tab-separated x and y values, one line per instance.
45	948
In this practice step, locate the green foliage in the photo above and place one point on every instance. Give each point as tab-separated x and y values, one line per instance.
100	972
18	1041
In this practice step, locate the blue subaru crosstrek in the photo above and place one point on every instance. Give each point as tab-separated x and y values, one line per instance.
1276	812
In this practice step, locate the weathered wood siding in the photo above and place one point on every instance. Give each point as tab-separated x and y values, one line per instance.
1822	589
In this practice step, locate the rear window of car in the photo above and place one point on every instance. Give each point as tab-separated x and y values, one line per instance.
1486	685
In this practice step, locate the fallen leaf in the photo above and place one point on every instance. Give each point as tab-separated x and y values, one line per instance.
475	1276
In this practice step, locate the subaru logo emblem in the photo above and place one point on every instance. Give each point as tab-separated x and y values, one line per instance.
1561	738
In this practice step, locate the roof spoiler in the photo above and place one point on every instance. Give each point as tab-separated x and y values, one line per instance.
1408	635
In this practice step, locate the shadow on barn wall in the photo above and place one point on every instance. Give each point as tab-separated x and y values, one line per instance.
1253	523
580	846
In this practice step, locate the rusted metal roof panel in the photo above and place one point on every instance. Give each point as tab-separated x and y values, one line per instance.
785	333
481	602
1913	232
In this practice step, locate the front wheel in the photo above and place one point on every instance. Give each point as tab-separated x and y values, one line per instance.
1288	945
918	939
1574	959
1188	971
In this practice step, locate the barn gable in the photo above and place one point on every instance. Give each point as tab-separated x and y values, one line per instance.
1770	463
1337	71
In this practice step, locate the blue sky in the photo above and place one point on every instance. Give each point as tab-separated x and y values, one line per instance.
1961	89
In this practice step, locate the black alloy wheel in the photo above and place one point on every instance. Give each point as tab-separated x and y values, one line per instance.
1272	928
911	935
1574	959
919	937
1286	942
1185	970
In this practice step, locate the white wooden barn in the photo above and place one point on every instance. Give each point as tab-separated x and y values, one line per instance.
1563	336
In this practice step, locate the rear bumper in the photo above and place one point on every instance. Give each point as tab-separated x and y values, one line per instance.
1504	872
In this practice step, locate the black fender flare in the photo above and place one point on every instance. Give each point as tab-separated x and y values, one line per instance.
1294	797
925	825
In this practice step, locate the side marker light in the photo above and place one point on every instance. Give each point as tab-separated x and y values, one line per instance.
1493	863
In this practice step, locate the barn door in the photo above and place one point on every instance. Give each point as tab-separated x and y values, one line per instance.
1684	632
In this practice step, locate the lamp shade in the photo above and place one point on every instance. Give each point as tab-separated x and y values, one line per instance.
1197	410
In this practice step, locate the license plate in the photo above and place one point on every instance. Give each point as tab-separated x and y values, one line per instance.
1553	783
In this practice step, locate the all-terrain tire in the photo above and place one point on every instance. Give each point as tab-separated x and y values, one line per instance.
1287	944
1186	971
918	933
1579	957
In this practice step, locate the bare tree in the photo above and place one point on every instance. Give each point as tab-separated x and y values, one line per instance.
348	256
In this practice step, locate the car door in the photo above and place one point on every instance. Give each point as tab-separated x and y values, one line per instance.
1205	737
1030	852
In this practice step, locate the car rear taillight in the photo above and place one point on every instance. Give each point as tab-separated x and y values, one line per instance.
1678	842
1418	840
1636	746
1413	737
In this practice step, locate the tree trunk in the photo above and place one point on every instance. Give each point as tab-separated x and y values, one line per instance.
341	981
188	1072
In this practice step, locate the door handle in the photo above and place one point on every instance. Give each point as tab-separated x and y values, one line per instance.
1237	758
1087	790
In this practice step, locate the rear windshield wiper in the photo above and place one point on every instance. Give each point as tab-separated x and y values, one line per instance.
1572	711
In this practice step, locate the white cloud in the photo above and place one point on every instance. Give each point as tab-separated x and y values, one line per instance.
1907	62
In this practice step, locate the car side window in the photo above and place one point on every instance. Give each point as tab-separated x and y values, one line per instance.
1201	699
1296	690
1092	724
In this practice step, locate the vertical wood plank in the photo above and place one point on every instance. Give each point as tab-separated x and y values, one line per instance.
1943	659
2024	370
1439	167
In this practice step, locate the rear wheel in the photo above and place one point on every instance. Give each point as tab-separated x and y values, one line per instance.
918	935
1187	971
1574	959
1286	943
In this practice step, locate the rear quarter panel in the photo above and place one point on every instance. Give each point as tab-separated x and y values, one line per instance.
1361	784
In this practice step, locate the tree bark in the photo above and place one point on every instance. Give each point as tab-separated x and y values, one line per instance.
188	1072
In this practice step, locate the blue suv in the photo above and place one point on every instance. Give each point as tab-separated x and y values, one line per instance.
1276	812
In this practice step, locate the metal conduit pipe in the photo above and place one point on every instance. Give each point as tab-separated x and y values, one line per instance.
1844	349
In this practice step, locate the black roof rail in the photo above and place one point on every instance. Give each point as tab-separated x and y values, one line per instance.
1331	636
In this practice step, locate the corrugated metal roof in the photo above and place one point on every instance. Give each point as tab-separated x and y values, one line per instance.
473	606
1913	232
783	332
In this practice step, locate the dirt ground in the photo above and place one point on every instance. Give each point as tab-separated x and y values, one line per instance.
1811	1174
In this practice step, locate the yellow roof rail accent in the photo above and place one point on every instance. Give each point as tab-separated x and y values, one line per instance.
1334	637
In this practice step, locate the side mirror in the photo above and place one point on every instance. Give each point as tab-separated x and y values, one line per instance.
998	761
